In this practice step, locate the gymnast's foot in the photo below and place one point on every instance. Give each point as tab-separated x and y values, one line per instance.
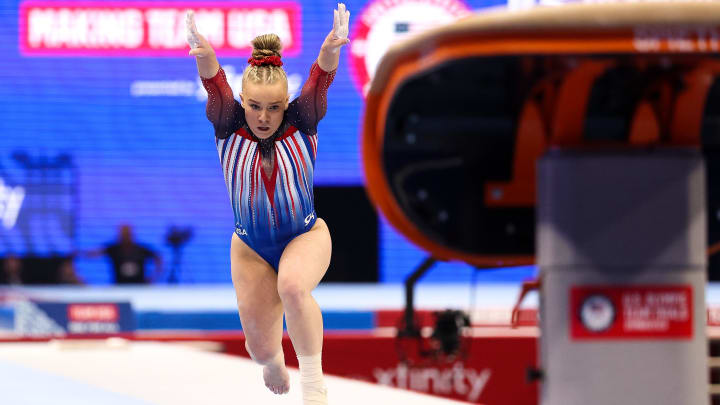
276	377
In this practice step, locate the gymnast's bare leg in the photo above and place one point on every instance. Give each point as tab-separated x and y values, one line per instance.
302	265
261	313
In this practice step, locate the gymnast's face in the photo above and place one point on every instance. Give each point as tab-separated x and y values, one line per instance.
264	106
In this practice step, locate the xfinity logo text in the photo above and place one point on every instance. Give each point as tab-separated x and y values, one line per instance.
11	199
456	380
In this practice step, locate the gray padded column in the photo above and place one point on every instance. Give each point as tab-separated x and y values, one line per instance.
621	219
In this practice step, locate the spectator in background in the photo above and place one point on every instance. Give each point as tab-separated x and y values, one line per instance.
67	274
129	258
11	271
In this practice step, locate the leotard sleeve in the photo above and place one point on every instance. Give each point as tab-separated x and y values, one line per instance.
225	113
306	111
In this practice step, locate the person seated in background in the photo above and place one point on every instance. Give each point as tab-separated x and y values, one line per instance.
11	271
129	258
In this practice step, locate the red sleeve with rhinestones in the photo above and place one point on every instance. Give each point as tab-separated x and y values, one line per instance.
309	108
225	113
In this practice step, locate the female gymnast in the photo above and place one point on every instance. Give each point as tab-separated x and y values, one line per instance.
280	250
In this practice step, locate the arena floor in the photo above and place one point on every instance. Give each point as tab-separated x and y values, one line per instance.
118	372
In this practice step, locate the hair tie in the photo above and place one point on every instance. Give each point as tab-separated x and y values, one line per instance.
267	60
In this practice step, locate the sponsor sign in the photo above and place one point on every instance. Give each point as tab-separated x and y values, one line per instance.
152	29
637	312
386	22
455	380
493	366
42	318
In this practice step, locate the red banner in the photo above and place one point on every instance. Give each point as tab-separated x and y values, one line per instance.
93	312
491	371
637	312
152	29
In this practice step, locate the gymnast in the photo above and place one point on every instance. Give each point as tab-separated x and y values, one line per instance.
280	249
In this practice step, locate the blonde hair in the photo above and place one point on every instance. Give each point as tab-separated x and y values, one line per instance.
264	46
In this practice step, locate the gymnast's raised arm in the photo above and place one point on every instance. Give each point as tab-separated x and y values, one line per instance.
222	109
309	108
336	39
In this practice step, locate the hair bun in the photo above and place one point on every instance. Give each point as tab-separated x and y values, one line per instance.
266	45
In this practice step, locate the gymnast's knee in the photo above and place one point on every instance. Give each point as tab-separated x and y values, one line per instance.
291	292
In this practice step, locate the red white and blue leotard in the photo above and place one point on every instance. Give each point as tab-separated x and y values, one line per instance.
269	210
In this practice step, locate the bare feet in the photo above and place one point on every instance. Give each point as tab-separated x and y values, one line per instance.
275	374
276	377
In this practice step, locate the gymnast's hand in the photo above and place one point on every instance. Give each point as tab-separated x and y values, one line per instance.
339	34
200	46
